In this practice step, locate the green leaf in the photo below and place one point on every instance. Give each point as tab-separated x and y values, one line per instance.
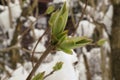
58	66
75	42
65	18
68	51
101	42
52	19
62	34
58	20
39	76
58	26
50	9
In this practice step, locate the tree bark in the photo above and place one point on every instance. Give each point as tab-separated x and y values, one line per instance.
115	42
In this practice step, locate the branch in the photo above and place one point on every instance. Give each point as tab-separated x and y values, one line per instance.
83	12
10	13
9	48
38	42
87	67
72	16
49	74
44	55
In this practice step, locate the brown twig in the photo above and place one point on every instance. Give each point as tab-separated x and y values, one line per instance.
9	48
35	2
87	67
72	16
28	51
44	55
49	74
38	42
83	12
3	2
10	13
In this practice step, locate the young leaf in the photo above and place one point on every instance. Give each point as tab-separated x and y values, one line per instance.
101	42
53	18
58	20
75	42
58	66
66	50
50	9
58	26
39	76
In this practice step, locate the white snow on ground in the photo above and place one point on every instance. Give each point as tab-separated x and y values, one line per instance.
80	69
66	73
19	74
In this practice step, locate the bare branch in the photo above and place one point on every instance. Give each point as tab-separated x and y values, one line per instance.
83	12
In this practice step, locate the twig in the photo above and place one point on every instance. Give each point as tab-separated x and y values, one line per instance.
83	12
87	67
35	2
37	43
3	2
28	51
9	48
49	74
31	26
44	55
10	13
72	16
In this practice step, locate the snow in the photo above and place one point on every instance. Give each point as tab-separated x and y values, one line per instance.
4	19
42	22
19	74
106	45
100	16
67	72
38	33
107	20
80	69
85	29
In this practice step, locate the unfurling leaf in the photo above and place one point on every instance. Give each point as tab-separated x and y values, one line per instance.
58	66
58	20
39	76
50	9
59	37
101	42
72	43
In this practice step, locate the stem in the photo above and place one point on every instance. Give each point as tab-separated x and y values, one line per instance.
49	74
10	14
83	12
37	44
44	55
87	67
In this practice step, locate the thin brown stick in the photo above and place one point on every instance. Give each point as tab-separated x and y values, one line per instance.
83	12
35	2
10	13
3	2
72	16
28	51
87	67
37	44
49	74
44	55
9	48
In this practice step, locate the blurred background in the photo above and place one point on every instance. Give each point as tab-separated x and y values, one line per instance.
24	22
